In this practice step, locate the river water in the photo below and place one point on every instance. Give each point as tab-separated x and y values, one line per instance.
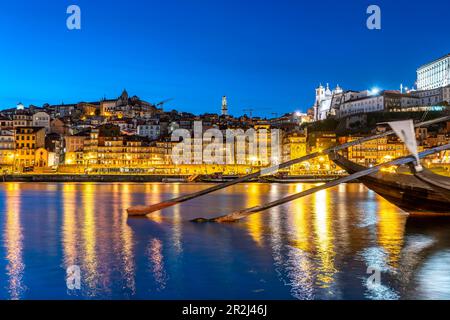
325	246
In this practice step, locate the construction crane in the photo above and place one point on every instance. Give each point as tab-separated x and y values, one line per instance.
250	111
161	104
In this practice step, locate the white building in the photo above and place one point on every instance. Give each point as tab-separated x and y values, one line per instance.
41	119
435	74
429	97
360	105
325	102
391	101
341	103
152	131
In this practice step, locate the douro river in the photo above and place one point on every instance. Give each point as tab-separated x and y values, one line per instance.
74	240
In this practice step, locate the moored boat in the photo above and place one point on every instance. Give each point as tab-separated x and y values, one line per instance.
439	183
406	191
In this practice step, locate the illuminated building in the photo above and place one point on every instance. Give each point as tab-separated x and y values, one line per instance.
22	118
294	146
41	119
392	101
128	107
263	142
150	130
6	122
434	75
165	147
7	150
90	109
255	148
41	156
110	152
375	151
28	140
54	146
318	142
74	146
61	110
321	140
325	101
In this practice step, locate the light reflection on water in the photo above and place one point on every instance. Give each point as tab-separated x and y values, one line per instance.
13	244
317	247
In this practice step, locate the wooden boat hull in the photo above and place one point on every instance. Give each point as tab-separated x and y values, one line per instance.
405	191
439	183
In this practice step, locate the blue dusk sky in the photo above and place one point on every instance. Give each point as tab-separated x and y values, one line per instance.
268	55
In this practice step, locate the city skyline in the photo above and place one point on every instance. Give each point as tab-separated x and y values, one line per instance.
266	67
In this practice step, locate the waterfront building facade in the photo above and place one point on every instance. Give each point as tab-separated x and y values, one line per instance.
376	151
127	135
7	150
294	146
28	140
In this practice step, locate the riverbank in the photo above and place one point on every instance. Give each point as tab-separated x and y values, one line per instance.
141	178
89	178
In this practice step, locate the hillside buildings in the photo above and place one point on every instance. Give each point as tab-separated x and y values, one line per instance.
130	135
432	93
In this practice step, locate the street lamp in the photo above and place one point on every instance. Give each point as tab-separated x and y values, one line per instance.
375	91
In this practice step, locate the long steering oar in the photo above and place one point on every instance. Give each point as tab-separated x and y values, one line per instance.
237	215
144	210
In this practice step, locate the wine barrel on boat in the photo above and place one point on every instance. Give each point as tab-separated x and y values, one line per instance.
408	192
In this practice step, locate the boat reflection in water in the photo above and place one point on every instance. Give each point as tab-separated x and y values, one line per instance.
318	247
